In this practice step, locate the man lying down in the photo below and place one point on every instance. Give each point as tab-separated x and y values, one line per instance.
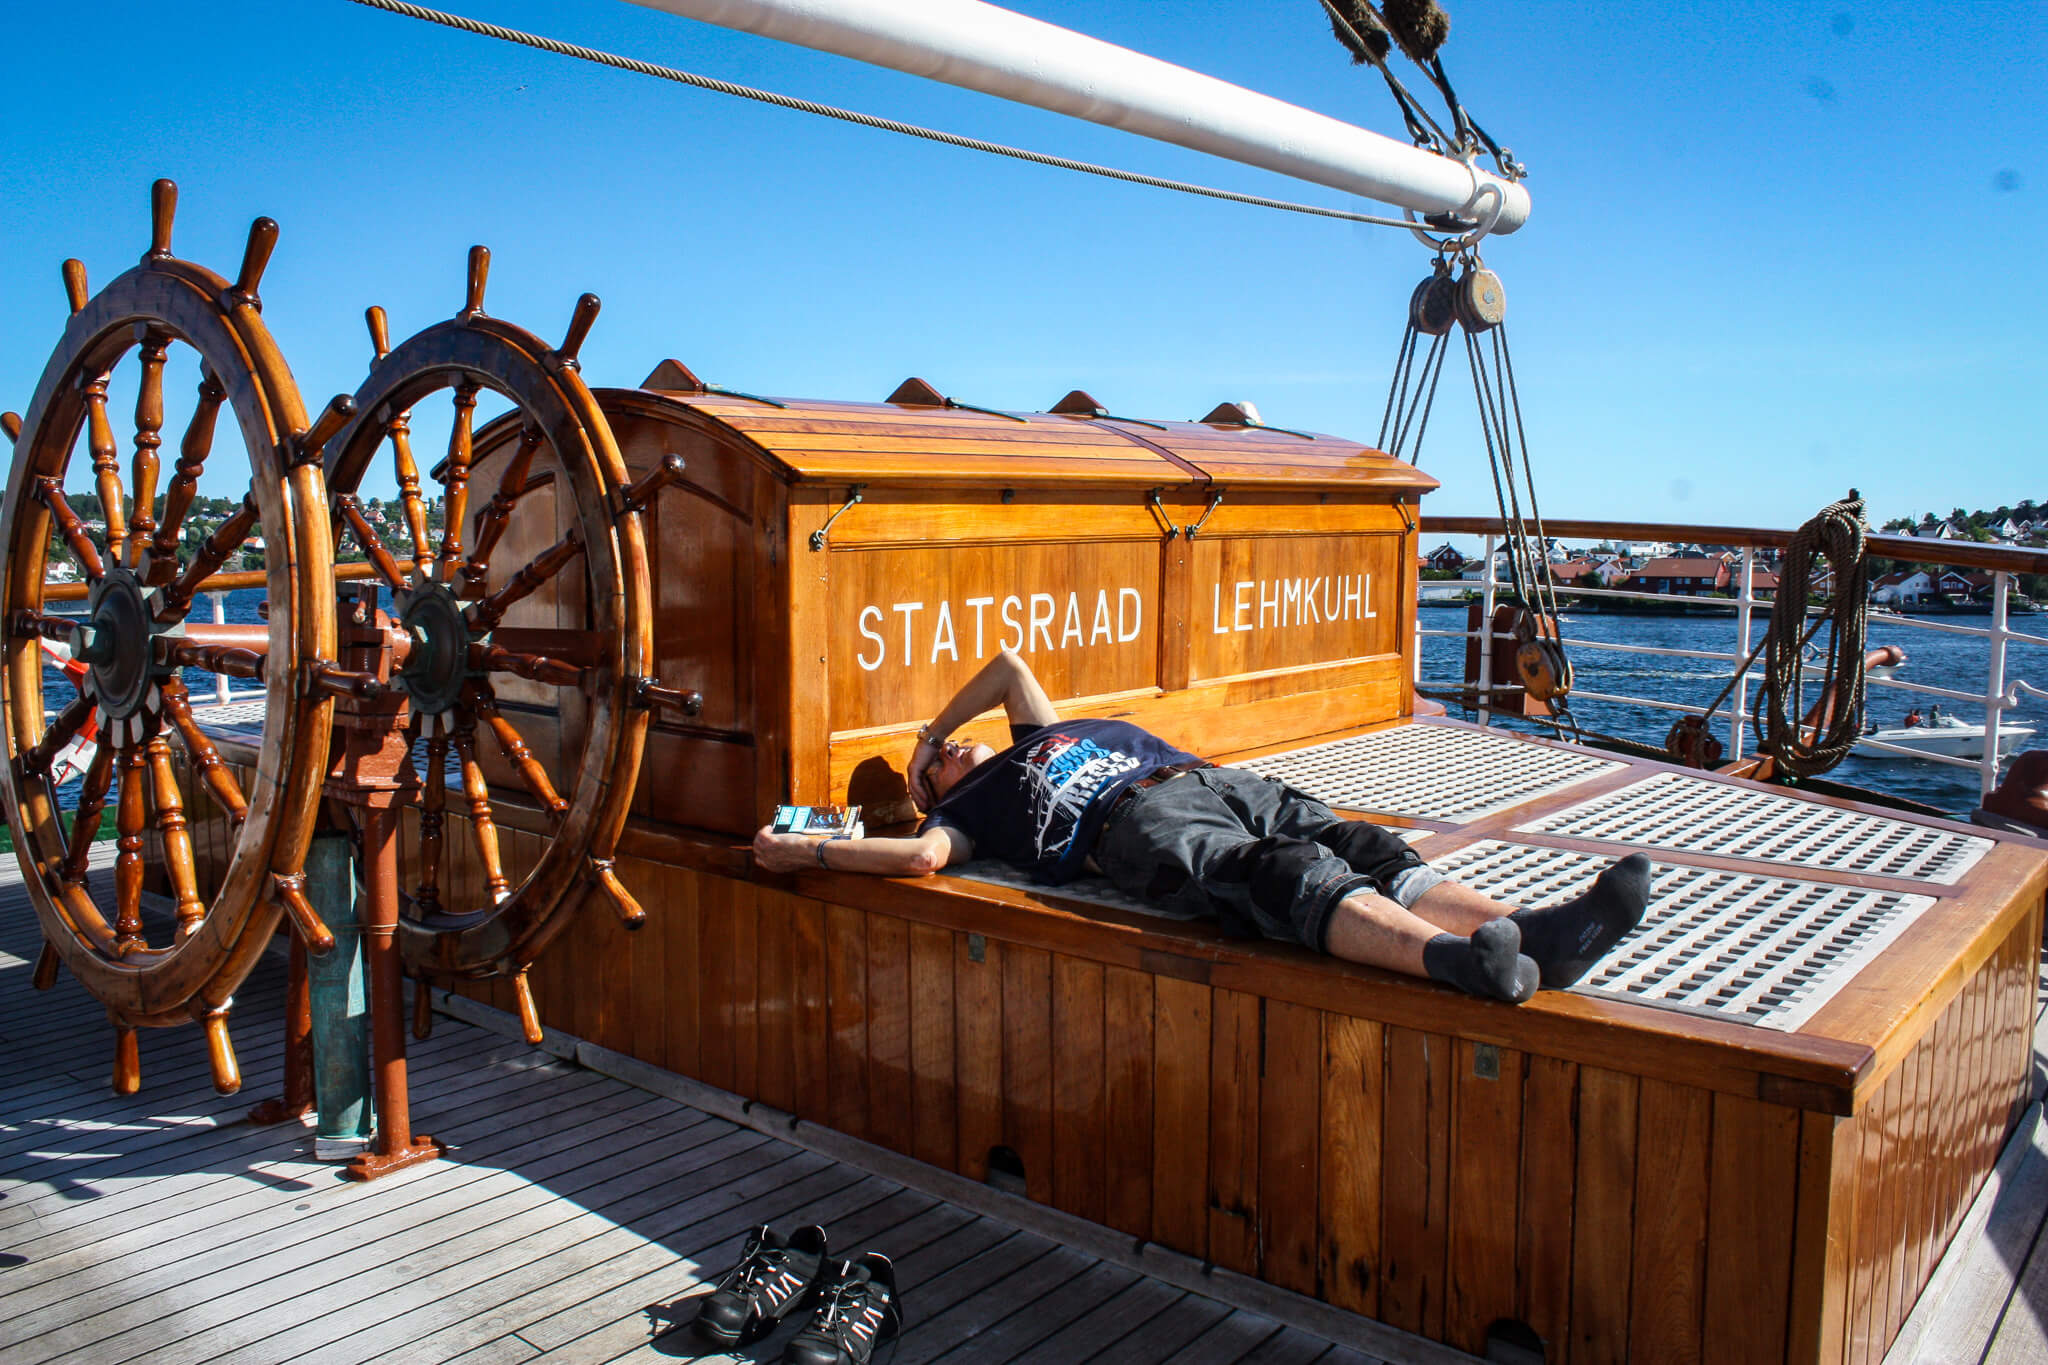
1069	798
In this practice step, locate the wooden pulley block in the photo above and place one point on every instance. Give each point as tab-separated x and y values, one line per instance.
1542	668
1540	663
1432	308
1480	300
1691	743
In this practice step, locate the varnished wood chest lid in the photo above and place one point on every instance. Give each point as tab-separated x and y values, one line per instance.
916	438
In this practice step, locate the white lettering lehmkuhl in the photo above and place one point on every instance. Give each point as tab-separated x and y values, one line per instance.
1029	622
1276	603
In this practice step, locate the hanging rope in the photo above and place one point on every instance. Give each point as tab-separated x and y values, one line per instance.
667	73
1410	395
1806	741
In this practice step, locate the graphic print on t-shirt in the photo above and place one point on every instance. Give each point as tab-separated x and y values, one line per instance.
1062	775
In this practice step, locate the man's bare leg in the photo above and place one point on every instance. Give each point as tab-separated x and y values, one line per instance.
1376	931
1457	909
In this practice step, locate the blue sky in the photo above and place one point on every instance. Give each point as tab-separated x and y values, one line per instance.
1775	250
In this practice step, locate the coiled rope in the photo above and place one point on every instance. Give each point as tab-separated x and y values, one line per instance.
1835	534
667	73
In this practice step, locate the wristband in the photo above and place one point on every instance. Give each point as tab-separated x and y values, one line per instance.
821	849
925	736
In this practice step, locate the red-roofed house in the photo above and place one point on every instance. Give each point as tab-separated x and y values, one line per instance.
1763	584
1687	576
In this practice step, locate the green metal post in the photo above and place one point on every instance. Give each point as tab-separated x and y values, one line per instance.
341	1016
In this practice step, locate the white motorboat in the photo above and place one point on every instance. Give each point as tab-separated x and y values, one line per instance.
1940	735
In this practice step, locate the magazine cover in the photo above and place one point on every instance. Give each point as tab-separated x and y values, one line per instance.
823	822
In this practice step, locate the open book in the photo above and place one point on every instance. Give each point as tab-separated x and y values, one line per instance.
821	822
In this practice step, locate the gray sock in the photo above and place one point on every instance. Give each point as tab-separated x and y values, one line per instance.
1566	940
1489	964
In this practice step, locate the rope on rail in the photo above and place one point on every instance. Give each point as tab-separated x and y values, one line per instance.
667	73
1807	741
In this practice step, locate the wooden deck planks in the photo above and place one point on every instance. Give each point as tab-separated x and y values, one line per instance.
164	1227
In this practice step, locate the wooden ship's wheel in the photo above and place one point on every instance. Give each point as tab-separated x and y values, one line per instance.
458	643
131	648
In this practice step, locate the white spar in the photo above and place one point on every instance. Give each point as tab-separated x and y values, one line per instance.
998	52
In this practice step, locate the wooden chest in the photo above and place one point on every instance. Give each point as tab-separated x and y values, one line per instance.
828	573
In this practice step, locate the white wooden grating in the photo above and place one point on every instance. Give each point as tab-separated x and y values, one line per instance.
1756	949
1691	815
1430	772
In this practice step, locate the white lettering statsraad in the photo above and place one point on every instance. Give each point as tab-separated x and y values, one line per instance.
1026	623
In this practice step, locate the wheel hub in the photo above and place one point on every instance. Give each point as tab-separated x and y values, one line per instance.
437	665
118	642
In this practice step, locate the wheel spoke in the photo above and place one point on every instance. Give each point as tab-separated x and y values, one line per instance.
233	660
478	793
25	624
206	561
85	821
400	432
69	524
539	668
583	648
131	818
192	453
530	772
455	478
218	777
106	464
484	615
433	808
497	513
372	543
176	833
149	439
62	730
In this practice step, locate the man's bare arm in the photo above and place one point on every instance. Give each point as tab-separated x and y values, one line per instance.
919	856
1005	681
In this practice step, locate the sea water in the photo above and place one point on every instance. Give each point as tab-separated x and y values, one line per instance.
1933	658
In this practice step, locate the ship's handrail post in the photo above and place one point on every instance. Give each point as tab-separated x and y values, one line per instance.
1994	683
220	616
1485	632
1738	708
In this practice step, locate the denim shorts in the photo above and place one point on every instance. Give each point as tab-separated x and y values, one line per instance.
1258	856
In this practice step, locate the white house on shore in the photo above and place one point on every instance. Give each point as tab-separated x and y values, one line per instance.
1904	588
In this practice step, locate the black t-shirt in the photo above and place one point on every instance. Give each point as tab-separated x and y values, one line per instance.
1040	803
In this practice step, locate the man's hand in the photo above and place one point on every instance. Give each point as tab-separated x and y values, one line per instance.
922	757
784	852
